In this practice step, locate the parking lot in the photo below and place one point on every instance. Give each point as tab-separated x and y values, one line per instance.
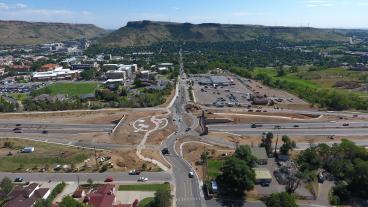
233	91
234	94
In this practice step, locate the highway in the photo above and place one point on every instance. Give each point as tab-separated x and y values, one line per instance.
52	128
307	129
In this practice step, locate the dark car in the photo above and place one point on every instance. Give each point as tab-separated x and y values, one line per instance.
345	124
165	151
188	129
296	125
45	132
18	180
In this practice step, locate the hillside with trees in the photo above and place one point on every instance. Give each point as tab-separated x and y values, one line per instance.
32	33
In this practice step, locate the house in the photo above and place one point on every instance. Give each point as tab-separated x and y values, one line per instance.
260	154
263	176
28	150
102	197
26	196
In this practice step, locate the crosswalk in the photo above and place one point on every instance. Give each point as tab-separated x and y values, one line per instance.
188	199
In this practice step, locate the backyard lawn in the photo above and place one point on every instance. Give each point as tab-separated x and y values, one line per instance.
213	169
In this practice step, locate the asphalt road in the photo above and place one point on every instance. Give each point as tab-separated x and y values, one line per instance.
187	189
83	177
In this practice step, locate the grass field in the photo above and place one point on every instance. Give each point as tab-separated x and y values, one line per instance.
213	169
44	154
72	89
144	187
326	78
145	202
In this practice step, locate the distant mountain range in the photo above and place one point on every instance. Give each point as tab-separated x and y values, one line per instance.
148	32
140	33
31	33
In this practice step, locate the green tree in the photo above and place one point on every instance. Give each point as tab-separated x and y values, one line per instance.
266	142
280	200
287	146
244	153
70	202
162	198
236	176
6	185
280	72
88	74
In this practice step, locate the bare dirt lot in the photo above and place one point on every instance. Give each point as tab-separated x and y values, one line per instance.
158	136
127	160
71	117
155	155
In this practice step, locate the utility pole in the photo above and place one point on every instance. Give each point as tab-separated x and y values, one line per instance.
277	137
94	148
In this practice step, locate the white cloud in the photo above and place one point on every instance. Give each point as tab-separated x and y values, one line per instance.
318	3
3	6
20	6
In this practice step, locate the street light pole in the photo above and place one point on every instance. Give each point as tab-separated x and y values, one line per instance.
277	137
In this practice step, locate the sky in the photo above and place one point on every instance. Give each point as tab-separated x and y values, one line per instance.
113	14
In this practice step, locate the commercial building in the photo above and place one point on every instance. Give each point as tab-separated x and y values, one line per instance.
83	66
48	67
120	71
215	81
57	74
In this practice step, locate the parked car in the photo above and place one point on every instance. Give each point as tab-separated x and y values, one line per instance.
345	124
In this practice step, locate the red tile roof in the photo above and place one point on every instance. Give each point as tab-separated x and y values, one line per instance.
102	197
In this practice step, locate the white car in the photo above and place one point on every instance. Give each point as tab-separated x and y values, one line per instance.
190	174
142	179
